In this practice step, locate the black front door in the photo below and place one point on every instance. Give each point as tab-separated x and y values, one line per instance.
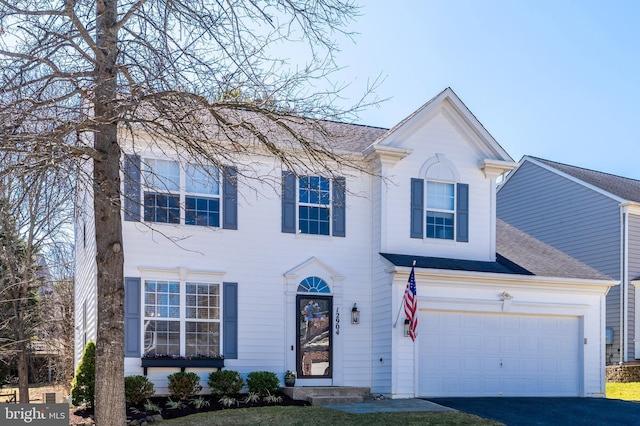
314	336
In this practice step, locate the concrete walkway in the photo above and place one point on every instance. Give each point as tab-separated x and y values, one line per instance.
389	406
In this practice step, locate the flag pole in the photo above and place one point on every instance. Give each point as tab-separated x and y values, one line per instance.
404	295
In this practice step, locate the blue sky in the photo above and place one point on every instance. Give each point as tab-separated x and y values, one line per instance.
554	79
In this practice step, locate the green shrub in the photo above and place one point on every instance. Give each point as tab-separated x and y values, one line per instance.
183	384
83	388
137	389
263	382
225	382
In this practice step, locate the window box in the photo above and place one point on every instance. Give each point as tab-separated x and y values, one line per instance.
182	363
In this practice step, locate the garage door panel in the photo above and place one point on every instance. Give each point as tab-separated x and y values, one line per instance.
473	354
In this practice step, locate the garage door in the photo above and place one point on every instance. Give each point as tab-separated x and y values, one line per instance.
466	354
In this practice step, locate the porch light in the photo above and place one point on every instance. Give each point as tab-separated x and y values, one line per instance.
406	327
355	315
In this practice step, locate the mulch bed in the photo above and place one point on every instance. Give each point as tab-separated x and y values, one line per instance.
84	415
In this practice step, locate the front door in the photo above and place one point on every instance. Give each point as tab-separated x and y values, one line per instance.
313	358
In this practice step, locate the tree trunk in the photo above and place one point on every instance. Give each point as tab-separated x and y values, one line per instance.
109	402
23	372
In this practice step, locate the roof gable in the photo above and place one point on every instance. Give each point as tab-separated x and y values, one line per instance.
455	111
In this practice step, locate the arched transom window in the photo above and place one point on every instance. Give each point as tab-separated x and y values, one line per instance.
313	285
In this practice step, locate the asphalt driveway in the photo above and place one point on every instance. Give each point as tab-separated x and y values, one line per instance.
548	411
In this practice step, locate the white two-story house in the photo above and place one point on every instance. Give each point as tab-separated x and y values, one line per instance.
269	273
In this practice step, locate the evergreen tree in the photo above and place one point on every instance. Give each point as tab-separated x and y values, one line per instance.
84	383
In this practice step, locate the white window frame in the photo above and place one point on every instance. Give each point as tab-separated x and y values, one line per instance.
428	209
328	206
182	318
181	191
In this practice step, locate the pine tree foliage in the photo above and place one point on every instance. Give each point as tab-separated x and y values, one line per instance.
83	388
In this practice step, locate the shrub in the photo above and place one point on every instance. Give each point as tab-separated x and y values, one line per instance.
263	382
225	382
183	384
137	389
83	388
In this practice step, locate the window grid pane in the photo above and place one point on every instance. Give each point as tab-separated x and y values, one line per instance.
162	208
202	338
203	301
440	225
313	220
314	190
202	211
161	337
162	299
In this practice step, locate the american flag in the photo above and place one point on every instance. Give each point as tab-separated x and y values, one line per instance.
411	305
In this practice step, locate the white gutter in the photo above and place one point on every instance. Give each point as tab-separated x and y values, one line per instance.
624	303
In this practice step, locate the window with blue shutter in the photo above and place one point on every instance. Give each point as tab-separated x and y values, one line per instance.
132	317
313	205
462	213
230	320
230	198
197	187
439	210
131	186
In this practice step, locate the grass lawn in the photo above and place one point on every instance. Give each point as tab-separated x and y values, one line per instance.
318	416
626	391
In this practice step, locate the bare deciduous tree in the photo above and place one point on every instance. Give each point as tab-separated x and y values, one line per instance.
35	211
200	77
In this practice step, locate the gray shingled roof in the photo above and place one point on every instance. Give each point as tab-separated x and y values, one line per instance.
540	258
498	267
626	188
517	254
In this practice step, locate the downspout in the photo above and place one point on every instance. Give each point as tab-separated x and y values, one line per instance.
624	356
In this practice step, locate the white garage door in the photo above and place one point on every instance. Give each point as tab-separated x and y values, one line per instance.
466	354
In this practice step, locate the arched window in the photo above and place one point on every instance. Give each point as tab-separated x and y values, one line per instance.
313	285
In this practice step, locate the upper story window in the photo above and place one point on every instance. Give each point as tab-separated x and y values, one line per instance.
313	205
202	197
439	210
168	193
163	196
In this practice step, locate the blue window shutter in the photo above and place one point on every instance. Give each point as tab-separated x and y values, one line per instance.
230	198
230	320
417	208
132	317
462	213
289	202
131	187
339	207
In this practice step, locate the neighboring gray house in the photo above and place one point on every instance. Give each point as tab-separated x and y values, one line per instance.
592	216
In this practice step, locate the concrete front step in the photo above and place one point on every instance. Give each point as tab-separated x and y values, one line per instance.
320	401
326	395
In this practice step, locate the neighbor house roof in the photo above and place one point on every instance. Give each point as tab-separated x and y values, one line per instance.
517	253
626	188
540	258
